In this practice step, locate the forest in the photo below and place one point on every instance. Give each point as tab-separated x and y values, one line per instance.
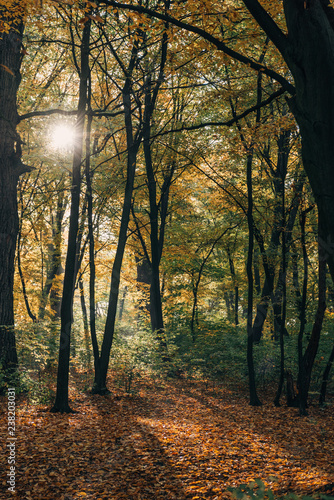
166	249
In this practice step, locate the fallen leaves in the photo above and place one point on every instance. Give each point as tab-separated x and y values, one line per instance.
177	442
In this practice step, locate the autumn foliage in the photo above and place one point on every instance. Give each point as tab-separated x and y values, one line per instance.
182	240
176	440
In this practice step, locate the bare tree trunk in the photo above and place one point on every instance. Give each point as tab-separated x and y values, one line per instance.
99	386
307	360
254	400
322	397
282	289
61	403
55	266
85	319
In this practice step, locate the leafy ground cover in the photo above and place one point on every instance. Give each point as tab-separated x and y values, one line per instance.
170	440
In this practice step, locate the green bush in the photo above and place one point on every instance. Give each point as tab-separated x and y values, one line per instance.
133	354
257	490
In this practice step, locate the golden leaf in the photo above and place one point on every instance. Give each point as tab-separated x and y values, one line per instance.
7	69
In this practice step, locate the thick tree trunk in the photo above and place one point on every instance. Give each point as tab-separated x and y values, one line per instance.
311	60
308	50
10	169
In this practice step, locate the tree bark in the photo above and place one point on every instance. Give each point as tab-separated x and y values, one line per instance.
61	403
282	294
322	397
157	322
85	319
236	288
253	397
268	286
156	236
91	241
99	386
308	50
55	266
307	360
11	168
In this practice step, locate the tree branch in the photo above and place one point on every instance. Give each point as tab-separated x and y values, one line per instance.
227	123
268	25
47	112
220	45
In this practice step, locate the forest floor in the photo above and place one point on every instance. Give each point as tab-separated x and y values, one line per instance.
170	440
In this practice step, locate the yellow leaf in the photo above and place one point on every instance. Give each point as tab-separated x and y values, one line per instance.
96	18
7	69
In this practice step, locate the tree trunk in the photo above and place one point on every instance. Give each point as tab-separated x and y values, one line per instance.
61	403
121	304
235	300
325	377
268	286
307	361
11	168
99	386
282	289
253	398
89	198
311	60
85	319
157	322
156	236
19	267
257	279
143	281
55	266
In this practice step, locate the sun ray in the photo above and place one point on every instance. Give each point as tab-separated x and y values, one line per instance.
63	136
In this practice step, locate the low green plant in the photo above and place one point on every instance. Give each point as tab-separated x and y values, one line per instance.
258	490
133	354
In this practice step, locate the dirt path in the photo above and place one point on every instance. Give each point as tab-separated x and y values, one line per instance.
172	441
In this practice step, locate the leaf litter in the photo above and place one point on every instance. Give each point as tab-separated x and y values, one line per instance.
172	440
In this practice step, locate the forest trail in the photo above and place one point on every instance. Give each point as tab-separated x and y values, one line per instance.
168	441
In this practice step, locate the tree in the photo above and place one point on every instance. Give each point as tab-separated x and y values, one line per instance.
11	167
133	139
66	314
307	48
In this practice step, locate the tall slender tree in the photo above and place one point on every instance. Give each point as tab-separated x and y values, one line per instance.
66	315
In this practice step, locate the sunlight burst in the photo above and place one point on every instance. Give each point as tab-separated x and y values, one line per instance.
63	136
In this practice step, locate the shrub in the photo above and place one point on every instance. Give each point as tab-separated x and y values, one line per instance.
257	489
